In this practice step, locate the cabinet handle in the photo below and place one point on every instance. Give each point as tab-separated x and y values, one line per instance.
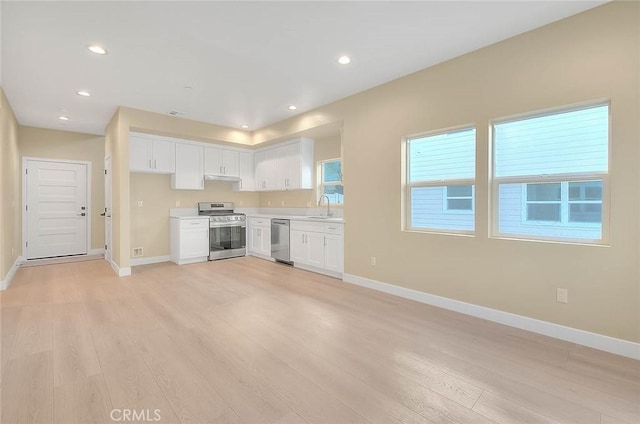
155	164
149	163
240	184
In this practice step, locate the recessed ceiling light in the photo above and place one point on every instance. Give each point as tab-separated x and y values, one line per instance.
63	118
94	48
83	93
292	107
245	127
344	60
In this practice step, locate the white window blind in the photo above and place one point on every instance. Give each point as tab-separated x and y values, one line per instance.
440	181
550	174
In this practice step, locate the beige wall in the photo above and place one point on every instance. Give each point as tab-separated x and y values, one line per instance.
10	235
323	148
64	145
150	223
593	55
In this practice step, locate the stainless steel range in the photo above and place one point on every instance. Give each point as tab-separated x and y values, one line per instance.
227	230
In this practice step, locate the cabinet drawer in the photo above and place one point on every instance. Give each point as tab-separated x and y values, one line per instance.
260	222
194	223
333	228
316	227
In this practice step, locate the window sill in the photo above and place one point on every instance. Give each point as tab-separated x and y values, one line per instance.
468	234
590	243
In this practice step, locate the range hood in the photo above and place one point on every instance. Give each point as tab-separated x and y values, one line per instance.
213	177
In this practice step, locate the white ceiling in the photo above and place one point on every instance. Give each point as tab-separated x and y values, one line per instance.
246	61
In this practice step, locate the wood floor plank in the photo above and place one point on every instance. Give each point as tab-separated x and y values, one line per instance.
74	355
27	390
34	331
505	412
83	401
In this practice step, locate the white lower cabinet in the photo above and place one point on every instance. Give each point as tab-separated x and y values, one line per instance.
259	230
189	239
318	246
334	252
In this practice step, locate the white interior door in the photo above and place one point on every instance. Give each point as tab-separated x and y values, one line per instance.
107	209
56	209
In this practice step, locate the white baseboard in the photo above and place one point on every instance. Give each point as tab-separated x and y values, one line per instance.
573	335
4	284
122	272
94	252
150	260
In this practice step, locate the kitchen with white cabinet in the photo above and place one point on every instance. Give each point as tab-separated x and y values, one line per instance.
208	171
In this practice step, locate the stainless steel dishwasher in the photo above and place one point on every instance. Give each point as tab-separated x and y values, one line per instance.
280	241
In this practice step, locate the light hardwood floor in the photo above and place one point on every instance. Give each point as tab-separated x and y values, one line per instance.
250	341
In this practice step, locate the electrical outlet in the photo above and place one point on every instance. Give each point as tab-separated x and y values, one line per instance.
373	261
268	202
177	203
562	295
140	203
282	203
137	252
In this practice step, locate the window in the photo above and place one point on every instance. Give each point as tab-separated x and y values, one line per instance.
458	199
331	181
550	175
440	181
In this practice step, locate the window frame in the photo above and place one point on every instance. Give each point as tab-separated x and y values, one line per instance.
494	183
408	185
322	184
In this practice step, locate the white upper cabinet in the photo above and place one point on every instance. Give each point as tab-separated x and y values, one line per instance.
152	156
266	163
287	167
221	162
246	172
189	168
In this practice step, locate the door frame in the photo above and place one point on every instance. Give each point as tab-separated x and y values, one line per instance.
26	159
108	241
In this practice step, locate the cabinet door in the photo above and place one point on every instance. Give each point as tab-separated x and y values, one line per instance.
255	239
266	241
246	172
213	161
140	154
189	168
289	167
194	243
315	242
230	163
299	251
164	157
333	252
261	170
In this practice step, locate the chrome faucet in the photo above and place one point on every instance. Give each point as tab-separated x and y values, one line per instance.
329	213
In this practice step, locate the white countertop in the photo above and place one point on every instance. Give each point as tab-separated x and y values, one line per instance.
189	217
296	217
192	213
